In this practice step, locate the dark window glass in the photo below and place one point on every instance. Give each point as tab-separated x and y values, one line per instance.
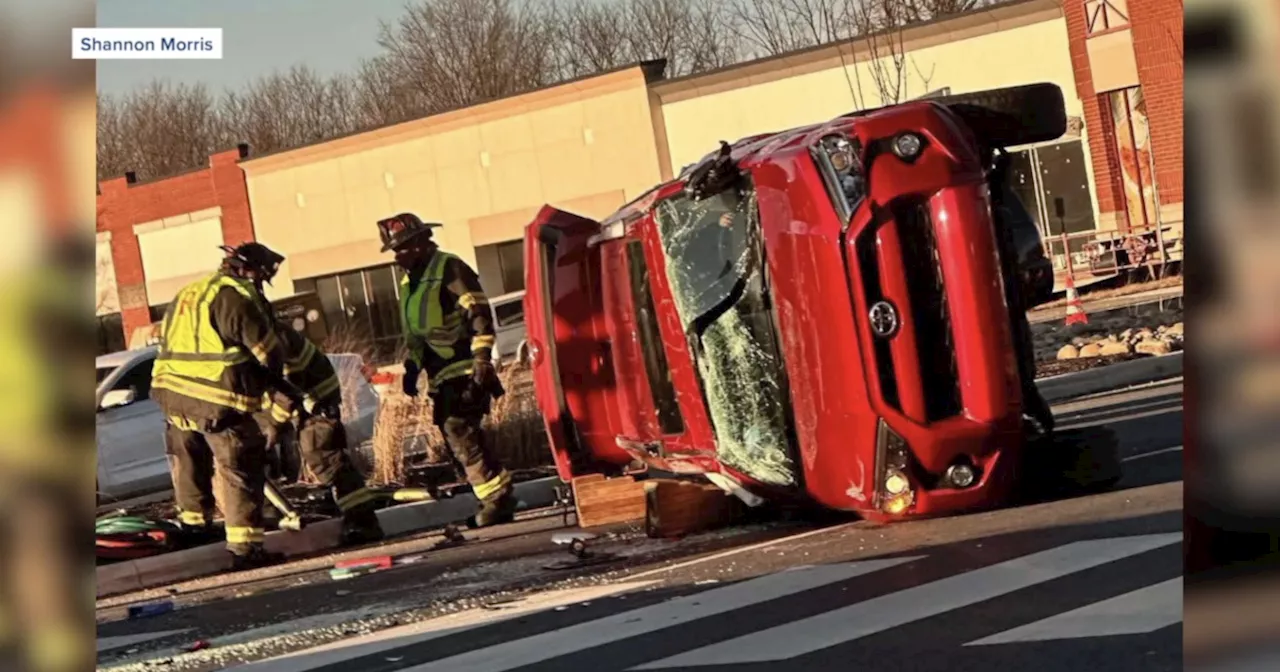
304	286
1063	175
509	313
511	261
354	304
157	312
110	334
330	303
139	378
653	349
385	308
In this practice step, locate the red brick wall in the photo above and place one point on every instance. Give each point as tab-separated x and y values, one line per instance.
1157	43
121	206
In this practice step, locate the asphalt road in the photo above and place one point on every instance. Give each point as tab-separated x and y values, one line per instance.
1082	584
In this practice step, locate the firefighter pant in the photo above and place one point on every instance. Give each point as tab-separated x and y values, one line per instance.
459	417
323	444
236	452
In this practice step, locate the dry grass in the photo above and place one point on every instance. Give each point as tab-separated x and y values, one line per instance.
514	427
1116	292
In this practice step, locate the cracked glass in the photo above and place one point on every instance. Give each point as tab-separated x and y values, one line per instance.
715	265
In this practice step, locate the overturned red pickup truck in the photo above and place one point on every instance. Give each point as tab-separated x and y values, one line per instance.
835	313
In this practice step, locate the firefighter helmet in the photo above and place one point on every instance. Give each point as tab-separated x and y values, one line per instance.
256	257
400	229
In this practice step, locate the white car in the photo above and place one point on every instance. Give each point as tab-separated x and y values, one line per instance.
509	327
130	426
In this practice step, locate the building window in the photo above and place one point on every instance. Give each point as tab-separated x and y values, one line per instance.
110	334
157	312
1104	15
501	267
1040	175
1137	164
361	309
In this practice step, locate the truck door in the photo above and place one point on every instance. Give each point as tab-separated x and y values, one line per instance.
569	343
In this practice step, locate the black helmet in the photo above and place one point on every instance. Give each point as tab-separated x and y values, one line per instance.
254	256
400	229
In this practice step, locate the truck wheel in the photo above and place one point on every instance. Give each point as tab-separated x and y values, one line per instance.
1015	115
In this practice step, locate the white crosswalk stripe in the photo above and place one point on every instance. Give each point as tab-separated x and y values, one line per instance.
1136	612
668	614
798	638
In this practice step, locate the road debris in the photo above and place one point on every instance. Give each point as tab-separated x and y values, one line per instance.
148	610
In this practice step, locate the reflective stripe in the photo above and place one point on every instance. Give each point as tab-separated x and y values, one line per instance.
471	300
205	392
279	414
455	370
191	517
479	342
355	499
492	486
302	361
325	389
245	535
263	349
232	356
183	423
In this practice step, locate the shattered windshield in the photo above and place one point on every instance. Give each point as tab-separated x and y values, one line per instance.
714	263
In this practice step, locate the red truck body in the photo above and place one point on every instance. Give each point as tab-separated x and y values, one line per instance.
737	334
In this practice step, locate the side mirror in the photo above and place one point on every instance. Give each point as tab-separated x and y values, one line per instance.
118	398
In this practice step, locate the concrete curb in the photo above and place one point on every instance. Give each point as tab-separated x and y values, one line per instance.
192	563
1111	377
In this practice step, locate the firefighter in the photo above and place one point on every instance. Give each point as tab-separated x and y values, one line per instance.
450	335
220	353
322	439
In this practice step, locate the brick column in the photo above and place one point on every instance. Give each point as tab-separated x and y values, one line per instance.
1097	120
1157	47
232	194
116	216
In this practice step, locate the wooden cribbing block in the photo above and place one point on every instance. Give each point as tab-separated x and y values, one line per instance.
676	508
606	501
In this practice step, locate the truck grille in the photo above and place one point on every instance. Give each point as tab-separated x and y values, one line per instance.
929	311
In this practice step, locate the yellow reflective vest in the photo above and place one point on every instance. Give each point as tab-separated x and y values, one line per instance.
196	362
440	337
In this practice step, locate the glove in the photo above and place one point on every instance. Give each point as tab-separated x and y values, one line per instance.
484	379
273	432
410	380
483	374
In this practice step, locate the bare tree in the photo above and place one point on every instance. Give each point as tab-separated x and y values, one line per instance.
158	130
453	53
291	109
775	27
591	37
692	35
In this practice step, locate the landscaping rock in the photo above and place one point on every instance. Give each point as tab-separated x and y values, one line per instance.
1175	328
1116	348
1068	351
1091	350
1152	347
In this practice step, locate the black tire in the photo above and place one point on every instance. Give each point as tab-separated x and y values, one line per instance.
1016	115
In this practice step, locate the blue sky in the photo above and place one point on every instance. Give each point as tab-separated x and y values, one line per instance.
259	36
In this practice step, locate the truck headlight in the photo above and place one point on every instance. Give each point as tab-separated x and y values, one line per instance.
894	493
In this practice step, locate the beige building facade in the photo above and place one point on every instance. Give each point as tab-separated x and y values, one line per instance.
591	145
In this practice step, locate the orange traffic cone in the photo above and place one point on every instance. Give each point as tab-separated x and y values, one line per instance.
1075	309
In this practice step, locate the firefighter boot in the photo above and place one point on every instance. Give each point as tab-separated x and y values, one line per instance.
497	510
254	558
360	526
